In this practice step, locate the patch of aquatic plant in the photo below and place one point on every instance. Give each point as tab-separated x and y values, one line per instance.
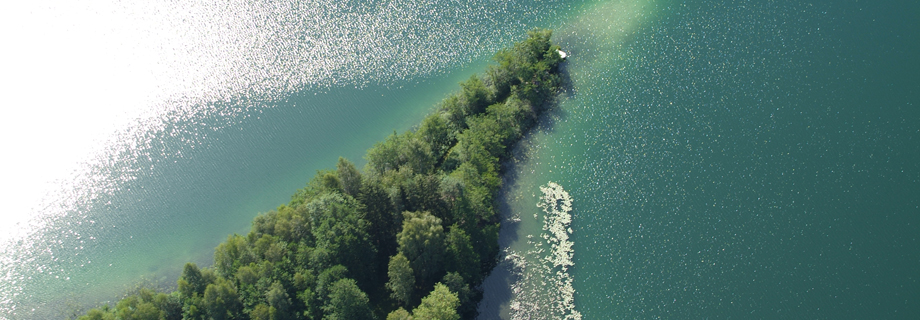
543	285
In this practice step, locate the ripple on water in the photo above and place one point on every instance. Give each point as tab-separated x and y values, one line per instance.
211	66
542	285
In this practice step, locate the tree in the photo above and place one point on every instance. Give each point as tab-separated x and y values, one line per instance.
221	300
402	279
453	195
399	314
327	278
143	305
408	150
262	312
457	285
441	304
349	176
347	301
232	254
474	96
330	181
132	308
422	242
339	228
421	194
434	131
415	154
191	282
278	301
100	314
384	224
460	256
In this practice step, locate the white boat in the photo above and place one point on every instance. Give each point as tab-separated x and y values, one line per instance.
562	54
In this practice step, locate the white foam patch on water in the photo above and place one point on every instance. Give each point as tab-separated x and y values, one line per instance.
540	255
542	288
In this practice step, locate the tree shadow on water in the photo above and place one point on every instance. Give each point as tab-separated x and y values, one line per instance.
497	287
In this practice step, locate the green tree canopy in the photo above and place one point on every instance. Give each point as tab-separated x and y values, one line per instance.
460	256
349	176
193	281
441	304
339	228
221	301
347	301
278	301
402	279
422	242
399	314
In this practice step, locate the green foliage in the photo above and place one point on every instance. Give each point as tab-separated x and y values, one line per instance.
402	278
384	220
349	176
351	242
330	181
309	299
399	314
422	242
420	193
485	241
340	229
435	132
440	304
453	196
101	314
401	151
327	278
263	312
278	301
459	286
192	281
529	69
221	301
347	301
232	254
460	256
474	96
144	304
132	309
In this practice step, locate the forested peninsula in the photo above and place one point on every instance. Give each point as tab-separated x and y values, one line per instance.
411	236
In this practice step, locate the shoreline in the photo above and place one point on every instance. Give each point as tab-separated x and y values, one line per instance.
521	230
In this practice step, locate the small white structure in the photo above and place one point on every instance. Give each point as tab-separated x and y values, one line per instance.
562	54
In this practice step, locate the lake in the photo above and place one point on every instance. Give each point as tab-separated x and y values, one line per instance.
725	159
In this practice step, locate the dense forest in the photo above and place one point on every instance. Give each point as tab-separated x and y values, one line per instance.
411	236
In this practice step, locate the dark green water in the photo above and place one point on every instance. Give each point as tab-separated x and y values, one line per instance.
734	159
727	159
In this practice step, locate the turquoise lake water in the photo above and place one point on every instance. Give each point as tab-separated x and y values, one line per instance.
726	159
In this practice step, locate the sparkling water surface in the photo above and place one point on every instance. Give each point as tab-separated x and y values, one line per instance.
735	159
726	159
749	160
167	126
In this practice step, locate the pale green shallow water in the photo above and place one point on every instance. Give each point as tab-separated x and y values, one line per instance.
727	159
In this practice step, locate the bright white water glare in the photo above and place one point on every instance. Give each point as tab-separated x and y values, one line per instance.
89	86
77	71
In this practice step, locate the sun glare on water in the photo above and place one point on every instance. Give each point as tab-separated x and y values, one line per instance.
89	87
